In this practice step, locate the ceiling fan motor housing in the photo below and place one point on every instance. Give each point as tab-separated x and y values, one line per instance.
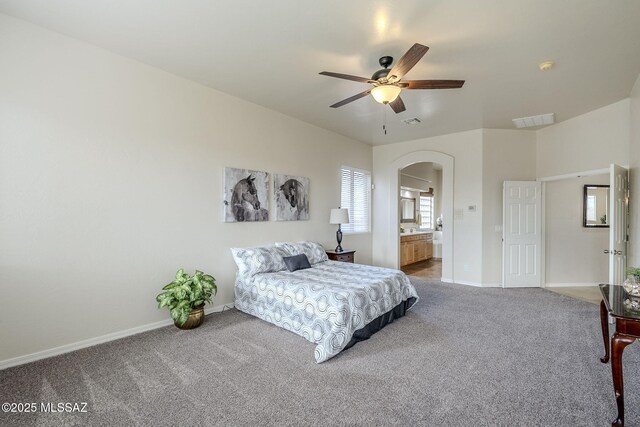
385	61
380	73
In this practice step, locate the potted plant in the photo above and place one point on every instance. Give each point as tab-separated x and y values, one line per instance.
186	296
634	271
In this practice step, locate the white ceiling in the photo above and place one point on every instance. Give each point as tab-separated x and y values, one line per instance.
270	53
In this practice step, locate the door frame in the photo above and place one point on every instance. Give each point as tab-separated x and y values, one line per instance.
544	180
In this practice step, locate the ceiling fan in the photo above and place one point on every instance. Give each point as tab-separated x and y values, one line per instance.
387	84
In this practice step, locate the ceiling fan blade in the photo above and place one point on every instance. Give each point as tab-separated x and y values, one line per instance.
346	77
408	60
431	84
397	105
351	99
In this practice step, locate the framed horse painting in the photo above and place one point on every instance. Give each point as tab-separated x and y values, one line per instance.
291	194
246	195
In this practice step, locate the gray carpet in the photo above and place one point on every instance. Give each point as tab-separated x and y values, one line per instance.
463	357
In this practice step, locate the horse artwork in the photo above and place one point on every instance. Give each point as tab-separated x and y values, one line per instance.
292	197
246	195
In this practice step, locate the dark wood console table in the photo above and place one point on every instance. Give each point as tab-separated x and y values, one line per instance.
627	331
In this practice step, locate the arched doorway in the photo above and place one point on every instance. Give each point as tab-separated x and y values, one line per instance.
421	211
386	239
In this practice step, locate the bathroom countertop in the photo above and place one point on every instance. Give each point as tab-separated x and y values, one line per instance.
418	231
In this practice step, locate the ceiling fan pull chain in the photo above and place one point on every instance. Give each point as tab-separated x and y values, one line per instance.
384	122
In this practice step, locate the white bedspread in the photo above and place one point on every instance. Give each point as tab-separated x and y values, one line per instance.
325	304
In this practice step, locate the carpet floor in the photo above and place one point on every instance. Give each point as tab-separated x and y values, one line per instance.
463	356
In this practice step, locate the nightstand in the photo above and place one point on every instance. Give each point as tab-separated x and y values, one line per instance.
344	256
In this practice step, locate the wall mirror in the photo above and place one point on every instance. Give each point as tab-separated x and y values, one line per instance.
408	209
596	206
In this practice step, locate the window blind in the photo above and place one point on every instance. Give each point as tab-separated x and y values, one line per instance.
355	195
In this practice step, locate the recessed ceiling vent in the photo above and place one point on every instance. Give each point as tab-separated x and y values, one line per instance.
413	121
541	120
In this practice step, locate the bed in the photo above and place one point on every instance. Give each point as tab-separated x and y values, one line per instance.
332	304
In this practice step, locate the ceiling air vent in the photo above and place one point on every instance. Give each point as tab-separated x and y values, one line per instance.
413	121
526	122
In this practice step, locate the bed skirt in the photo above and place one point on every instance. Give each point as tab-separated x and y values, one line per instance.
380	322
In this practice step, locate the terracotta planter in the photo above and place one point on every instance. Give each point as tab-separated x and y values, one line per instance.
195	319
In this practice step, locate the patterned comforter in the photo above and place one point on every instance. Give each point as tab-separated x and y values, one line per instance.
325	304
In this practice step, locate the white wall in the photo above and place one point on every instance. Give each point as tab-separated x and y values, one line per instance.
587	142
111	179
508	155
634	176
465	148
437	194
409	182
591	141
574	254
422	171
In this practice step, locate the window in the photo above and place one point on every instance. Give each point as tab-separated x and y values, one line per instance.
355	195
426	211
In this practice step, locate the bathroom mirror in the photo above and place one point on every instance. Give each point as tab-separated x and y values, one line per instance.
408	209
596	206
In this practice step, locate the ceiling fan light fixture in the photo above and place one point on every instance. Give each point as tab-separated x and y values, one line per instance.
385	94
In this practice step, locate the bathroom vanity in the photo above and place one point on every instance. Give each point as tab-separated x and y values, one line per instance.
415	247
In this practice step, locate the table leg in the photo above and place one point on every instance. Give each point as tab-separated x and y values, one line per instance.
604	321
618	343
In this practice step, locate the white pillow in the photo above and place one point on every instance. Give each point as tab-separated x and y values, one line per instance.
262	259
314	251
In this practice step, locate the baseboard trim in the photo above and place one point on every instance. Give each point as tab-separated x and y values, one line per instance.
67	348
468	283
570	285
492	285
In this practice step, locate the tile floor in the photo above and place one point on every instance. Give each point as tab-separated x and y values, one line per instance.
585	293
429	269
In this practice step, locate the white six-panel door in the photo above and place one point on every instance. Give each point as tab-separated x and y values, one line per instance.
617	224
522	234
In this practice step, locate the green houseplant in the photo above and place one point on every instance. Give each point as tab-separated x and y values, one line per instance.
186	296
634	271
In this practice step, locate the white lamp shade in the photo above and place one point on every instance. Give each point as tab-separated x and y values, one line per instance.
385	94
339	216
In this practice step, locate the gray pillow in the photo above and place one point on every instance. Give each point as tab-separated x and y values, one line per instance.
296	262
263	259
314	251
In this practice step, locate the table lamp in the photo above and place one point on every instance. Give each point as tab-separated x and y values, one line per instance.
339	216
